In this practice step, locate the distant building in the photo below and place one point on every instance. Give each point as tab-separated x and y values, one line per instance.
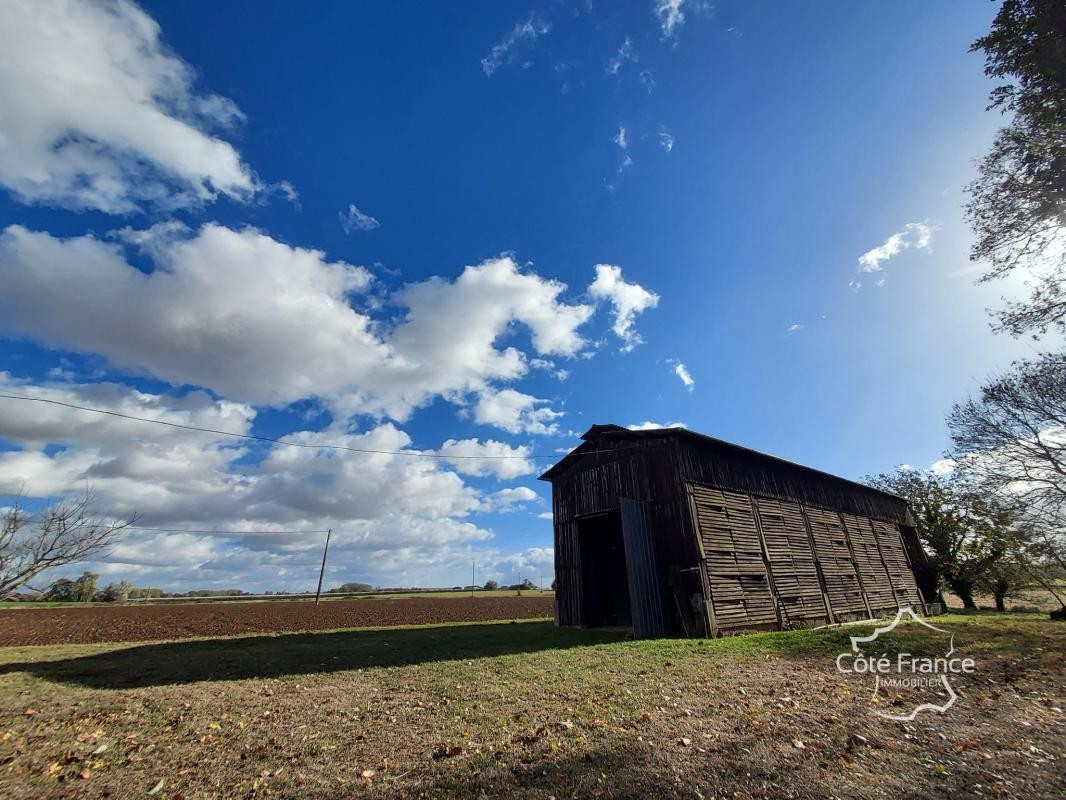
672	532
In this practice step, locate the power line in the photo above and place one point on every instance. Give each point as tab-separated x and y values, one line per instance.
286	442
228	533
289	443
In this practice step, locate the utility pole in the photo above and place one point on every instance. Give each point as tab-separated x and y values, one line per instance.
322	572
473	566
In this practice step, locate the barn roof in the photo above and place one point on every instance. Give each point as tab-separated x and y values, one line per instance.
596	436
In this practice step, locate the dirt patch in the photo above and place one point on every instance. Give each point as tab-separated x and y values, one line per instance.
146	623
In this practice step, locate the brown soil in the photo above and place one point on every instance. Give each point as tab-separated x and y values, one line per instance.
144	623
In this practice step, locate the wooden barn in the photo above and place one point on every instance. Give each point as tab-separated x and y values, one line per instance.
672	532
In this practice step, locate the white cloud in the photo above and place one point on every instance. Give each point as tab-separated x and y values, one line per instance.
263	322
625	53
522	35
621	138
512	499
914	234
854	285
408	517
626	299
647	425
666	140
505	462
545	515
795	327
98	114
356	220
681	371
670	15
515	412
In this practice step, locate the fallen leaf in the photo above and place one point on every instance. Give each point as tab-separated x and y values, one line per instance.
798	744
685	741
157	788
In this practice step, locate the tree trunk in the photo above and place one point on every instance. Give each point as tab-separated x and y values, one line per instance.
965	592
1000	605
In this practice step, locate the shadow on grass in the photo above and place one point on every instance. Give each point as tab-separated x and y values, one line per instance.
278	655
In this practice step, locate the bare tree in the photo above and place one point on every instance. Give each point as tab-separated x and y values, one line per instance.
64	533
1011	438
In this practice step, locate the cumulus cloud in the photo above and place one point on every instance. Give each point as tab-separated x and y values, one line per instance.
795	327
621	138
670	15
647	425
382	506
267	323
520	37
512	499
626	299
683	375
666	140
355	220
98	114
918	235
515	412
505	462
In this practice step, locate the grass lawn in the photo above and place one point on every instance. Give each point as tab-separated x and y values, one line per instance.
528	710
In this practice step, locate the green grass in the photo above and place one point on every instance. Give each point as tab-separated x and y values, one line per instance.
522	710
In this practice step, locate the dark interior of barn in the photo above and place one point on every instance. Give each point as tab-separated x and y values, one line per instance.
605	596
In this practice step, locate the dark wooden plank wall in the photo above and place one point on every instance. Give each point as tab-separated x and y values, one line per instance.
645	471
739	470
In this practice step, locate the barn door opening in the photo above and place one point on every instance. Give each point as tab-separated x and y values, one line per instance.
604	576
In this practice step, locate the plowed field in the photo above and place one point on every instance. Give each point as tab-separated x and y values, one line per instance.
143	623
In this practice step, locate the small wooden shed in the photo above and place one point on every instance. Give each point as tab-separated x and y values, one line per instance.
668	531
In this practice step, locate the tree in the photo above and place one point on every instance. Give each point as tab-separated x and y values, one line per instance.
1009	442
351	588
966	534
118	592
491	586
64	533
85	587
61	590
1017	203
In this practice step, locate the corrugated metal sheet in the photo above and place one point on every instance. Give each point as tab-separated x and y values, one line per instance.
645	584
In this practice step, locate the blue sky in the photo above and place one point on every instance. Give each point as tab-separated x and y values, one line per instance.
353	226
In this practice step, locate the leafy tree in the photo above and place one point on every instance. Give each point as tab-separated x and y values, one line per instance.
350	588
62	534
1017	203
61	590
965	533
491	586
118	592
85	587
